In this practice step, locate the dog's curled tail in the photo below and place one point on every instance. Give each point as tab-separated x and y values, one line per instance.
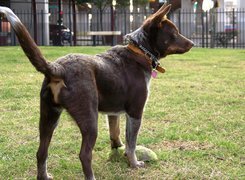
30	48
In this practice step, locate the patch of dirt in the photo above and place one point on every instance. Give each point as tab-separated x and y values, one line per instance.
183	145
168	121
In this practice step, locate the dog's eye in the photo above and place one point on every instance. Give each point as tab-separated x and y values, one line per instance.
174	36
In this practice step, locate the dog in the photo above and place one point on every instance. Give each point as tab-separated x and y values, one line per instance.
114	82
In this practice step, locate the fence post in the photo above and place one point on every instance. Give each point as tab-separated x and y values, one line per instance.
125	21
0	23
207	28
179	20
74	23
213	26
233	28
202	16
60	21
112	24
34	7
13	35
42	22
70	22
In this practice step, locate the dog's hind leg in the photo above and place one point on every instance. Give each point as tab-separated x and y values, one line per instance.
132	129
114	131
88	142
50	114
86	117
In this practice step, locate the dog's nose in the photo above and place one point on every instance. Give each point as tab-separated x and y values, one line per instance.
192	43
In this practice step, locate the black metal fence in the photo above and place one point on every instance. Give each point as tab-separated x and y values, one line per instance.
217	28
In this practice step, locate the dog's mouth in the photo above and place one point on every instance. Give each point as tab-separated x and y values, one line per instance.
177	51
182	51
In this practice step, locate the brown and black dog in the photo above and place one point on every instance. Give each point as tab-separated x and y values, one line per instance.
113	82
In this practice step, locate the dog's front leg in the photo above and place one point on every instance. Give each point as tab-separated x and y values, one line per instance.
132	129
114	131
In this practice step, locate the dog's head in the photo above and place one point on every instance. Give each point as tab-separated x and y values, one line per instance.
159	35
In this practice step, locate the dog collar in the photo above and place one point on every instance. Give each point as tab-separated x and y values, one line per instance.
152	59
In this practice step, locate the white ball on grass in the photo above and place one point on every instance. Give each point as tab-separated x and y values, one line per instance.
142	153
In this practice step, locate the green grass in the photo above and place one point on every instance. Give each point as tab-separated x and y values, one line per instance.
194	120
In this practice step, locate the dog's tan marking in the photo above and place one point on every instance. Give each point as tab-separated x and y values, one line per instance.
56	85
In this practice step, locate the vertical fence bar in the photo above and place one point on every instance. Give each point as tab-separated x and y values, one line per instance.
179	20
233	28
213	24
202	16
34	11
0	23
96	39
112	23
1	43
13	34
243	25
125	21
69	14
60	17
207	29
42	26
74	22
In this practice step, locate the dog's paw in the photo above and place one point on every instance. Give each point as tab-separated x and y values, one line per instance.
116	144
50	177
46	177
137	164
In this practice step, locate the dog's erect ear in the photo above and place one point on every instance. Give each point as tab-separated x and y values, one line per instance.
159	15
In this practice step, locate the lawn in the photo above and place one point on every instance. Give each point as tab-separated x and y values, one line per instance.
194	120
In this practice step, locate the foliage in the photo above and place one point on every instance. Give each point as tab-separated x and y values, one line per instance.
140	2
98	3
120	3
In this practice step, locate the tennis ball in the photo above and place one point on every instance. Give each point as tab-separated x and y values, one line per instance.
142	153
145	154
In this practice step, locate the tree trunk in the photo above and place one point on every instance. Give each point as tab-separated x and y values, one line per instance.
34	8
